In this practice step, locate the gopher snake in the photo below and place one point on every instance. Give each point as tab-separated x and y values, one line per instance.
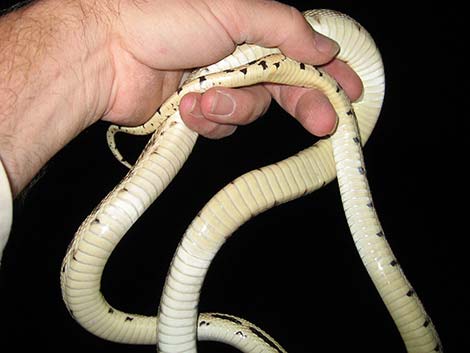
179	323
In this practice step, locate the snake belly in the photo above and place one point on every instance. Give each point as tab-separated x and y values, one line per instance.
178	324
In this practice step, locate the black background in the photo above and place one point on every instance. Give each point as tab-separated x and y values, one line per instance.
293	270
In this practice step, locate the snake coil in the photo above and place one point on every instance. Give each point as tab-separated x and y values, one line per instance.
178	324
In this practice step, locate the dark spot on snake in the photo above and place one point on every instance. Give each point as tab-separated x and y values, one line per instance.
178	91
202	79
357	140
320	73
393	263
302	66
265	339
277	64
229	71
350	112
426	323
410	293
361	170
240	333
244	71
263	64
317	18
110	311
204	323
380	234
228	318
437	348
158	111
370	205
128	318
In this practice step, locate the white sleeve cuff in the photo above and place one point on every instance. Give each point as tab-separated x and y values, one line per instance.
6	209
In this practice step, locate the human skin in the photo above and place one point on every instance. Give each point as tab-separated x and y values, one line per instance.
65	64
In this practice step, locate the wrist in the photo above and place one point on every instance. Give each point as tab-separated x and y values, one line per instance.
57	78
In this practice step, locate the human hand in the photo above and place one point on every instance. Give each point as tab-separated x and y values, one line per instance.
65	65
153	42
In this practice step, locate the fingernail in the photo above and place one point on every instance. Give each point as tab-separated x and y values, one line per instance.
223	105
195	109
326	45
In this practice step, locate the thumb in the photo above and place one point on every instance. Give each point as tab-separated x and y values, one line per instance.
273	24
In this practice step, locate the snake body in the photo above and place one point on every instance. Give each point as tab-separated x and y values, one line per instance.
178	324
